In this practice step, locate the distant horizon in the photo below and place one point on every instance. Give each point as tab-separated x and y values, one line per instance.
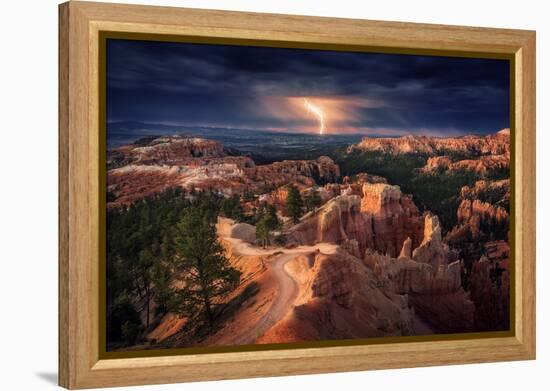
170	129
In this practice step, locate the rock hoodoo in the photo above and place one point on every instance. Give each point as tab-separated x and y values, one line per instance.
432	250
381	219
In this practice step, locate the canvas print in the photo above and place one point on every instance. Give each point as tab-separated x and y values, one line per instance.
262	195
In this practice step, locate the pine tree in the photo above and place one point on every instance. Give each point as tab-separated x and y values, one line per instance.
294	204
262	231
161	274
267	223
201	263
312	200
141	281
231	208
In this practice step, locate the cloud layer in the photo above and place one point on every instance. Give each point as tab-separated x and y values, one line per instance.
263	88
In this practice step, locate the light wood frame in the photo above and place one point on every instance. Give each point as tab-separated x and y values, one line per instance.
80	365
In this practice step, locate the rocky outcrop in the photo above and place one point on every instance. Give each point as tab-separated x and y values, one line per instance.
493	192
343	296
493	144
406	251
166	150
484	165
340	298
304	173
479	220
436	164
481	166
489	285
135	181
482	214
336	222
143	169
432	250
329	191
381	219
363	178
425	269
479	211
228	228
430	279
278	197
393	217
132	182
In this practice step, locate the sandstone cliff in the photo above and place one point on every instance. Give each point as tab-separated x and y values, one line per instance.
382	218
298	172
166	150
493	144
481	166
482	213
340	298
431	279
489	285
492	191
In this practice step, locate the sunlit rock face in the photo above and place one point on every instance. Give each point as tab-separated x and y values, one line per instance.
432	250
393	217
297	172
381	219
340	298
167	150
481	166
482	212
493	144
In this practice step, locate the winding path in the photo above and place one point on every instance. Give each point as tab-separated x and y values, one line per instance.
282	303
287	286
287	291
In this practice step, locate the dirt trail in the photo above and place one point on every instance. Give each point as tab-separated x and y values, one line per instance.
281	304
243	248
287	286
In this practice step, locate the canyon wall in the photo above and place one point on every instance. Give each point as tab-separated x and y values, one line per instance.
381	219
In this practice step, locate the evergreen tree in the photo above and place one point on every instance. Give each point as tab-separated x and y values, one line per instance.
312	200
201	263
267	223
161	277
231	208
294	204
142	282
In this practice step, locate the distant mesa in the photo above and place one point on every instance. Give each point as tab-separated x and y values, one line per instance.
164	150
494	144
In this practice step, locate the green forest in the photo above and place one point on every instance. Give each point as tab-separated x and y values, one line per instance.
170	236
155	239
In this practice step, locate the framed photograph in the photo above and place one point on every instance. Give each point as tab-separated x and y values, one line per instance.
247	195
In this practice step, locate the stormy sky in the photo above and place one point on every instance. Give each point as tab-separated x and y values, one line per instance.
266	89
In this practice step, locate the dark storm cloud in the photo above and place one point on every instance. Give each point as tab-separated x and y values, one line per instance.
229	86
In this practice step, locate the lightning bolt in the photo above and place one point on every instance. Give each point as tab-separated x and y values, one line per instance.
318	113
